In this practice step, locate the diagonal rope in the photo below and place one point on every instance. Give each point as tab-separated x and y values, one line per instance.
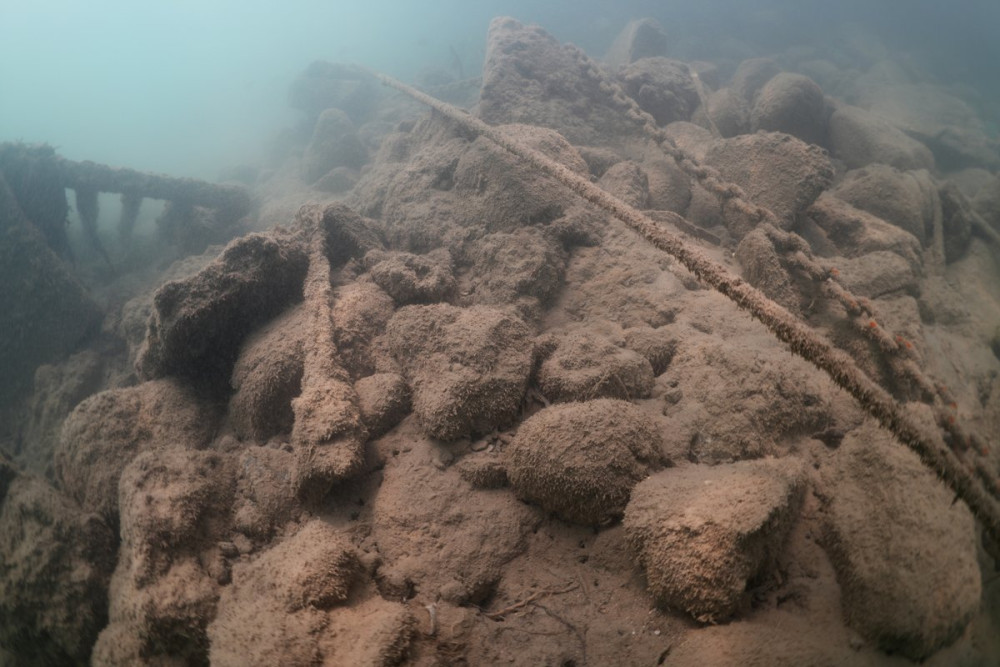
786	327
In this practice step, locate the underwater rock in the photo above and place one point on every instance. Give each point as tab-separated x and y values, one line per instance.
410	278
267	376
106	431
627	181
859	138
904	551
175	509
334	143
507	266
933	115
763	268
437	534
483	470
360	312
199	323
729	111
669	188
274	609
656	345
702	534
750	77
453	191
906	199
856	233
987	202
55	566
266	496
956	221
797	172
337	180
384	400
45	312
529	77
641	38
58	388
585	366
877	273
662	87
581	460
737	403
468	367
323	85
793	104
315	568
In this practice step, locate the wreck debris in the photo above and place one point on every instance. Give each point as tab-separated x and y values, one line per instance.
87	175
44	310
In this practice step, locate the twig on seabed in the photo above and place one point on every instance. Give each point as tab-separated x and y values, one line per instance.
537	595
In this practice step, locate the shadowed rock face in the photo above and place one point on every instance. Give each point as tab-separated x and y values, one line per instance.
199	323
56	564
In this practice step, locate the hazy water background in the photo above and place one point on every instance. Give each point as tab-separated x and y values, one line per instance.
188	87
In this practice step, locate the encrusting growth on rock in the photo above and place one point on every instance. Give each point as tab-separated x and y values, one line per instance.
799	337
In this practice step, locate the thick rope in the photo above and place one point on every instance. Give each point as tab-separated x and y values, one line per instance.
785	326
862	316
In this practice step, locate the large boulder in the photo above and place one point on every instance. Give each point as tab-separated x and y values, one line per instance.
641	38
410	278
468	367
384	399
529	77
904	551
581	460
751	75
855	232
175	507
269	613
199	323
859	138
334	143
524	264
731	401
267	376
662	87
627	181
436	534
702	534
55	565
793	104
907	199
106	431
584	366
360	312
797	172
